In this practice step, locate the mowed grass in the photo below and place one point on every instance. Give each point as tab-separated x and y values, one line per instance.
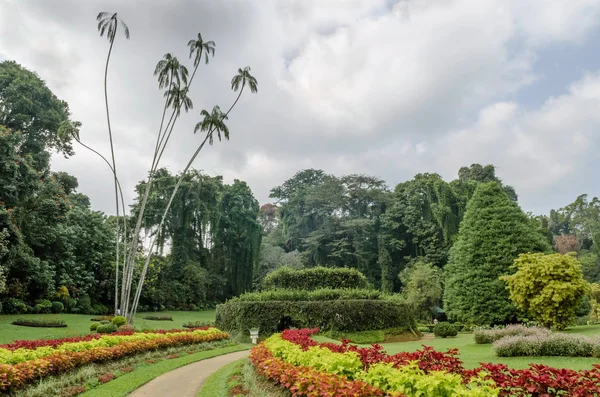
78	324
472	354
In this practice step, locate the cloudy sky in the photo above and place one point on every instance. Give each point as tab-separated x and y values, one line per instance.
383	87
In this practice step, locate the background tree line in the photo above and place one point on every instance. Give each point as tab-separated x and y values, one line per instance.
216	243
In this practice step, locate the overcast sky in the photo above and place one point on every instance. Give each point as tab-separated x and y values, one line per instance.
380	87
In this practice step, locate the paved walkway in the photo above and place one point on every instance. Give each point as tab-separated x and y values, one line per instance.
186	381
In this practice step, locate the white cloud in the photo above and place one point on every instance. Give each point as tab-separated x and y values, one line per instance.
350	86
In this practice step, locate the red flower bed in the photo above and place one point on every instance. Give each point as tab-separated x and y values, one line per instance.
535	381
306	381
12	376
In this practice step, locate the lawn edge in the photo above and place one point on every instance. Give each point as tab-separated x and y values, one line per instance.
219	377
144	373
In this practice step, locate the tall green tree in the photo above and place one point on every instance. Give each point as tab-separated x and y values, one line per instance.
493	233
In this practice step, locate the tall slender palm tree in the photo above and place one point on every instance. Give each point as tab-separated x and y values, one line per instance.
109	23
200	49
211	123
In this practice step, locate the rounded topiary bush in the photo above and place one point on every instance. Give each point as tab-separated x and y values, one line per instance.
119	320
444	330
106	328
94	326
126	328
57	307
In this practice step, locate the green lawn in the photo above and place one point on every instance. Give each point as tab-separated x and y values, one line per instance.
472	354
78	324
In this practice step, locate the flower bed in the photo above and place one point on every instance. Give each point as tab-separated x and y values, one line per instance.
484	336
159	318
308	368
30	322
551	344
21	366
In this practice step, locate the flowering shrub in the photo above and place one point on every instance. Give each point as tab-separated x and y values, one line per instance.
108	347
550	344
409	374
483	336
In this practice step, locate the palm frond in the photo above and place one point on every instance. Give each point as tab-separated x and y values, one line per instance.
103	15
125	28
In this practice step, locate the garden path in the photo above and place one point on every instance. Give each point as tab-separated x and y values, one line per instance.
186	381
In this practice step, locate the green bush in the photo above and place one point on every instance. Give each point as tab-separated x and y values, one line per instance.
14	306
321	294
119	320
106	328
57	307
42	323
315	278
337	315
126	328
44	306
84	305
100	309
94	326
444	330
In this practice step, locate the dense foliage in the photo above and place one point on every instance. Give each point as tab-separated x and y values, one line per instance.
334	315
548	287
493	233
315	278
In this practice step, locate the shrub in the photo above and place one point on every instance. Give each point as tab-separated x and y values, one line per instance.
42	323
57	307
444	330
14	306
84	305
549	287
159	318
99	308
483	336
126	328
321	294
106	328
550	344
119	320
315	278
337	315
94	326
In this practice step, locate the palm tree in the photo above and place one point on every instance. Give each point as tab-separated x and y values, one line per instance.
211	122
109	24
198	49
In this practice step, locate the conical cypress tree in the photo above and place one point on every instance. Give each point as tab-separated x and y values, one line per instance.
493	233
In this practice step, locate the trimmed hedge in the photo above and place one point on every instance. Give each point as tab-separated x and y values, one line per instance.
321	294
336	315
159	318
315	278
444	329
